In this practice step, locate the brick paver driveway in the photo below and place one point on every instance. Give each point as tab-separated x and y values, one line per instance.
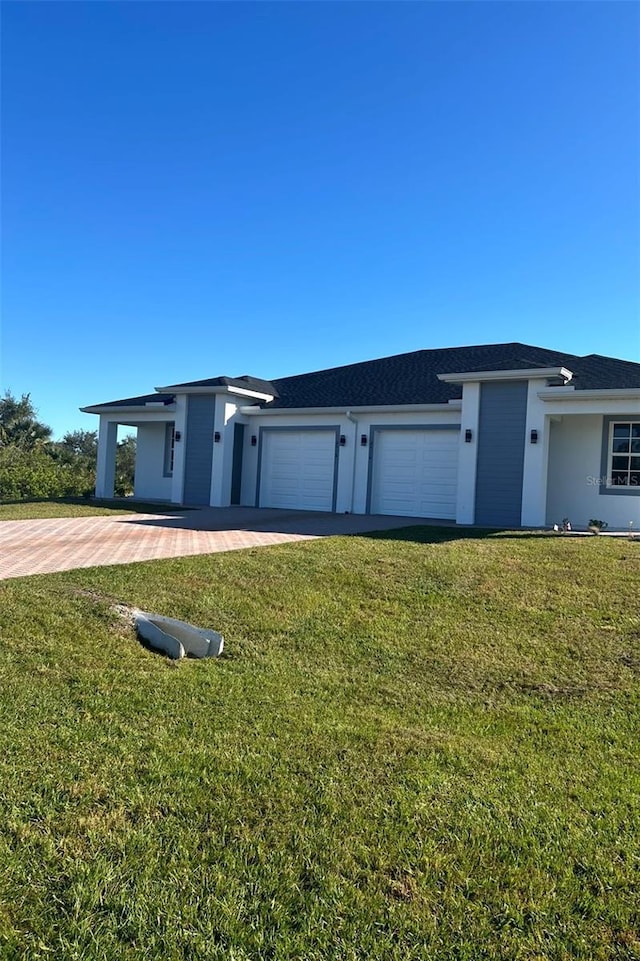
60	544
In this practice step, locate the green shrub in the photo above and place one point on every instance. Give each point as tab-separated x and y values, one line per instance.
31	474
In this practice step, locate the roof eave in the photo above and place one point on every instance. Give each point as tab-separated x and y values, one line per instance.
218	389
127	408
353	409
600	393
527	373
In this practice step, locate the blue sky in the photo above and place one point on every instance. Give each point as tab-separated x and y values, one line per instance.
194	189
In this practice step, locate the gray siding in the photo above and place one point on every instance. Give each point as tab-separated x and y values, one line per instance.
199	452
503	414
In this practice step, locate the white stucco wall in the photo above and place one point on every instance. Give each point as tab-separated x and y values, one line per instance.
226	417
574	470
351	492
536	459
149	481
468	455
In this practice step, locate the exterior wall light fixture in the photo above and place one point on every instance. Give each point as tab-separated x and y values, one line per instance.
343	440
363	440
254	440
216	437
468	436
534	436
177	436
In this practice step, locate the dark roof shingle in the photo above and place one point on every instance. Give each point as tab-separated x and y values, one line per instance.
413	378
138	401
245	382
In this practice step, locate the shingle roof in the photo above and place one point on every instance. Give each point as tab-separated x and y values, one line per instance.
138	401
413	378
246	382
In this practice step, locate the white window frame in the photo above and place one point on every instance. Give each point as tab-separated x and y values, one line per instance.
608	454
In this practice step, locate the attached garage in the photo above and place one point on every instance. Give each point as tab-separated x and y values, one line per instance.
297	468
413	471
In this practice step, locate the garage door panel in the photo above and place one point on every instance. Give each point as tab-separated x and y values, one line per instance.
298	469
415	473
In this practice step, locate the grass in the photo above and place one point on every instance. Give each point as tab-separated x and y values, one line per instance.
75	507
419	745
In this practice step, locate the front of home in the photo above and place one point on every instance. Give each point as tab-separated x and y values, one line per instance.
498	435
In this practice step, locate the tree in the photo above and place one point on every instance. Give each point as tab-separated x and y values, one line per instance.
19	426
79	447
31	465
78	451
35	474
125	466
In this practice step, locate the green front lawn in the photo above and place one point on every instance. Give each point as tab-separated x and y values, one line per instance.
75	507
421	745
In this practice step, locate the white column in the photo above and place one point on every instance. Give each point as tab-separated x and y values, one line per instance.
349	500
361	465
468	454
250	463
222	466
345	466
536	460
106	466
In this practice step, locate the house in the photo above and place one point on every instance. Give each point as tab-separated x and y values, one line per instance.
502	435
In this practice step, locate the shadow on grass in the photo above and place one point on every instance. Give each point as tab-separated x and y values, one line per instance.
116	503
135	507
441	535
319	524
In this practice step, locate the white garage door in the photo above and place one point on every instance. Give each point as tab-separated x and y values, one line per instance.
298	469
415	472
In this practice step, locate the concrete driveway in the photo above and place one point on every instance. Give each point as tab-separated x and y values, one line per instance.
61	544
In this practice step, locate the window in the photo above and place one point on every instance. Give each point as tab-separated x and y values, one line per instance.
623	469
169	447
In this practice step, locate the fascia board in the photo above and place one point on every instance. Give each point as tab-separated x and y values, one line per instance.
243	392
179	389
548	394
239	391
148	409
529	373
379	409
